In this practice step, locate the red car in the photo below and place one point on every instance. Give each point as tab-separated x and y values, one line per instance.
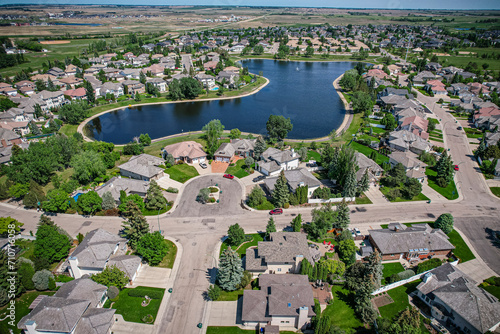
456	168
276	212
229	176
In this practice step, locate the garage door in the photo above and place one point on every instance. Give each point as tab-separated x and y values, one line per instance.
226	160
195	160
201	159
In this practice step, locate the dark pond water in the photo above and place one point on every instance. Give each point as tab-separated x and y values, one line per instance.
302	91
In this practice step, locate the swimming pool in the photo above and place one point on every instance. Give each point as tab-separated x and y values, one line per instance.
75	197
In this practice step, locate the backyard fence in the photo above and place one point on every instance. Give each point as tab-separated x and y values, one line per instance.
404	281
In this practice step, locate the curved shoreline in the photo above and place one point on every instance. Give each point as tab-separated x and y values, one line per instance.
82	125
348	116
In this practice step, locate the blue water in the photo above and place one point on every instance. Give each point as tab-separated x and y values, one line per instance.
301	91
75	197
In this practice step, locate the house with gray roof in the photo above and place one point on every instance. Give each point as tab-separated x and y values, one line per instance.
295	178
414	167
76	308
143	167
130	186
281	254
367	165
413	243
272	161
283	300
405	140
100	249
240	147
457	302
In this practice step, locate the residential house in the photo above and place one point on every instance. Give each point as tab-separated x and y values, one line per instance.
367	165
485	112
143	167
405	141
239	147
187	151
51	99
414	167
100	249
76	94
111	88
274	160
390	101
71	81
21	128
71	70
228	78
411	243
44	77
134	86
155	69
402	114
56	72
491	138
456	301
283	300
420	79
295	178
76	308
13	115
415	124
436	87
434	67
158	83
8	90
490	123
208	81
377	73
130	186
131	73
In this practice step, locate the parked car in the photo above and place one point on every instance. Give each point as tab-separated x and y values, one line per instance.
456	167
459	128
229	176
357	231
276	212
259	178
203	165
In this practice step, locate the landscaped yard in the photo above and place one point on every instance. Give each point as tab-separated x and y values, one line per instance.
313	155
379	159
229	296
450	192
22	309
228	330
266	205
238	170
341	311
363	199
181	172
419	197
389	270
242	248
491	288
473	133
169	259
495	191
130	307
401	300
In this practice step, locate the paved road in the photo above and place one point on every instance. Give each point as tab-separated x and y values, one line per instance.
199	229
186	62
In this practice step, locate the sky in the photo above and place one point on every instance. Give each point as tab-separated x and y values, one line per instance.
385	4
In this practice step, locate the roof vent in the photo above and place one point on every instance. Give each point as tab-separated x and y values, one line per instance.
289	304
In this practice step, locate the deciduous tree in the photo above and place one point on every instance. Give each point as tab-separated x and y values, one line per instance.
445	222
111	276
152	247
278	127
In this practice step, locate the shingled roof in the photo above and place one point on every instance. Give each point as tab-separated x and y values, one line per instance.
96	248
295	178
144	165
82	288
403	239
461	294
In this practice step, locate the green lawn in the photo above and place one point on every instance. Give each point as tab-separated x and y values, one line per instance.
22	304
450	192
493	289
419	197
228	330
462	251
238	170
495	191
131	309
242	248
228	296
27	247
379	159
341	311
169	259
390	269
401	300
363	199
147	212
181	172
313	155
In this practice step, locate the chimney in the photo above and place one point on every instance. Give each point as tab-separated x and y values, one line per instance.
298	262
31	327
74	269
303	319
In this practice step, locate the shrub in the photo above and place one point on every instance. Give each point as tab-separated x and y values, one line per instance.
493	281
441	181
213	190
286	206
172	190
152	247
113	292
445	223
142	292
214	292
428	265
64	278
26	272
41	279
52	283
406	274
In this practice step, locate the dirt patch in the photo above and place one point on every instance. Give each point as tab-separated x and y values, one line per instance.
54	42
442	54
382	300
465	52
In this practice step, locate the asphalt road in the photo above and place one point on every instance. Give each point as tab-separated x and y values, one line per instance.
199	228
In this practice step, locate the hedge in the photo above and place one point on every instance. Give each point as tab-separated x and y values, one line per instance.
428	265
141	292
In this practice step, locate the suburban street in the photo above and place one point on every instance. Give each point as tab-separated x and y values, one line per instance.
199	228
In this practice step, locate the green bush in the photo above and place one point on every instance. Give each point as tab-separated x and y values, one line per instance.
141	292
64	278
428	265
493	281
172	190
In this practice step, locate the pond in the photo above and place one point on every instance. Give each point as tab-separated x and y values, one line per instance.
301	91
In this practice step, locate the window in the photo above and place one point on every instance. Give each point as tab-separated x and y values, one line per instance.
279	269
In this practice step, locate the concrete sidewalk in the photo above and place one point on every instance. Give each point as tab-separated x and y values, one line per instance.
166	182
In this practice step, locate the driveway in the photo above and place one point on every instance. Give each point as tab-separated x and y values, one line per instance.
375	195
166	182
152	277
225	313
203	171
230	198
121	326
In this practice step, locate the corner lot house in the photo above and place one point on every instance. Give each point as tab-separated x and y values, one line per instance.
143	167
457	301
417	242
300	177
282	254
99	249
274	160
75	308
130	186
283	300
187	151
414	167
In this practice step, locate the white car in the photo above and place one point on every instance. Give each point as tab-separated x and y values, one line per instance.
357	231
203	165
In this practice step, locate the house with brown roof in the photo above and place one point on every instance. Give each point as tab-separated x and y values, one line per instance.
281	254
412	243
76	94
187	151
283	300
457	302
